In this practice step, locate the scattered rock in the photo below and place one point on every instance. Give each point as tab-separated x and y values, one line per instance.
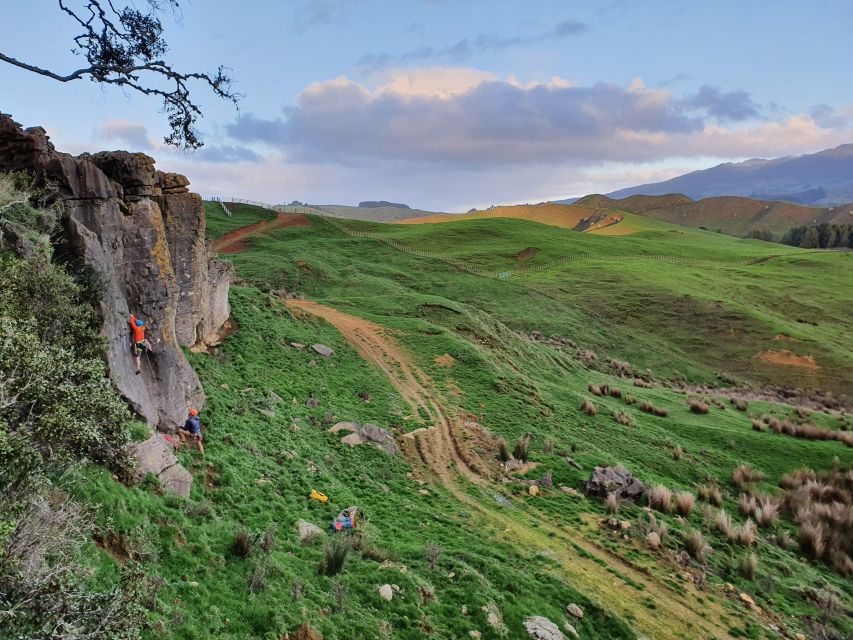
307	531
617	480
268	413
262	481
569	490
572	463
155	456
747	600
423	492
571	630
494	618
502	500
540	628
533	490
322	350
546	480
297	345
475	634
575	611
386	592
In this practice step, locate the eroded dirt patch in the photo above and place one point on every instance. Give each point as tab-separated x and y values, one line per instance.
787	358
445	360
781	337
528	253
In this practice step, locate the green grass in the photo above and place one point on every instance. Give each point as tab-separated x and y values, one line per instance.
218	223
679	321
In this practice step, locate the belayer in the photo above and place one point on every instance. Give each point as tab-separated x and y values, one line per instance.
192	428
140	344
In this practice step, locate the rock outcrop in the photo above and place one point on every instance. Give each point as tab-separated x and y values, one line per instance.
144	232
154	456
616	480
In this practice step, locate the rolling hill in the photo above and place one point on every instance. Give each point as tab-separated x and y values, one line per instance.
387	213
733	215
824	178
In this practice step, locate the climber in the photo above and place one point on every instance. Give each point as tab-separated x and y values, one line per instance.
192	427
140	344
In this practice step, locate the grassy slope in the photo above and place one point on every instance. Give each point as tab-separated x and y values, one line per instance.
512	384
219	224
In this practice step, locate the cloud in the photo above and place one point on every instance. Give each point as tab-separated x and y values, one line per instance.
133	134
467	118
733	106
226	153
321	13
467	47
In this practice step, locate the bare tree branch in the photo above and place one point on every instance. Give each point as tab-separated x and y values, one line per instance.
125	47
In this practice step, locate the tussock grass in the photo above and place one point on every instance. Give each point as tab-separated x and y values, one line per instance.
588	407
710	494
748	566
744	475
677	452
623	418
334	556
659	498
697	406
521	451
684	502
611	503
242	544
695	545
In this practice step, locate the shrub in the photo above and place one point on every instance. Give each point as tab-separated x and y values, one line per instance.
522	448
334	556
612	504
432	552
745	474
747	566
684	502
694	544
623	418
242	544
677	452
660	498
697	406
588	407
503	450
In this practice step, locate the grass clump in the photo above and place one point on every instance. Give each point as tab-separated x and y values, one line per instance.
698	406
334	556
684	501
710	494
611	503
588	407
748	566
744	475
623	418
522	447
695	545
660	498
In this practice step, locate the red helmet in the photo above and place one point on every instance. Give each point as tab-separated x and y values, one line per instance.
193	412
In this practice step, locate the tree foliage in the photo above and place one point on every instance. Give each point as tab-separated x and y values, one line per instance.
125	47
821	236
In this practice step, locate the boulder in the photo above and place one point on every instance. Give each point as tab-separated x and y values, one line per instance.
575	611
322	350
571	630
617	480
155	456
386	592
145	234
540	628
307	531
367	433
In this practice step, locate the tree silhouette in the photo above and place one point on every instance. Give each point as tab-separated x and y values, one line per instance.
125	47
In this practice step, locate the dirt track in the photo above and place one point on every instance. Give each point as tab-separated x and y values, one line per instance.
235	241
587	566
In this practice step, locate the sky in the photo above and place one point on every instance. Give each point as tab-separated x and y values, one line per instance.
448	105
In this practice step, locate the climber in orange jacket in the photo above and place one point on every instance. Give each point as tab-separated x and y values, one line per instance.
140	344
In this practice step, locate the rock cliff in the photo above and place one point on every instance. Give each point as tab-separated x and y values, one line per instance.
145	233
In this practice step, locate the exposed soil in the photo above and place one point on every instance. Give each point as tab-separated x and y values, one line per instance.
781	337
446	360
786	358
441	453
235	241
528	253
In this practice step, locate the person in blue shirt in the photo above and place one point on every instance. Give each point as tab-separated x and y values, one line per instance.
192	428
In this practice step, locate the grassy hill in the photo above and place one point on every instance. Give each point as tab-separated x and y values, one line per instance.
732	215
471	361
374	214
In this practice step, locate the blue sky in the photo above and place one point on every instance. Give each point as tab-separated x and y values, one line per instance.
453	104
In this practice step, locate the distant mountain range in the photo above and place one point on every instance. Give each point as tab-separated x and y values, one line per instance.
823	178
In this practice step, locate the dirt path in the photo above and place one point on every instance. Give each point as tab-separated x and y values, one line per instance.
619	587
235	241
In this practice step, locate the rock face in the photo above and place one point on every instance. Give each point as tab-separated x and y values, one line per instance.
145	233
616	480
155	457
